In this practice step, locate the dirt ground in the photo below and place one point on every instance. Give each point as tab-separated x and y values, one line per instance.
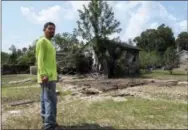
95	90
150	88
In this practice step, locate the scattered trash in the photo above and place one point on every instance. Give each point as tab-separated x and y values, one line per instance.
15	112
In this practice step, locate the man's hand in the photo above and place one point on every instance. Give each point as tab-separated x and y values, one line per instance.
44	79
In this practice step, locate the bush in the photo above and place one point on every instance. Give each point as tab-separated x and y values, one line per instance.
150	59
83	64
75	63
171	59
14	69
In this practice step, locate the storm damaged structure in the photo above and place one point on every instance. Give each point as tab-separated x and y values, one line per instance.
114	59
118	59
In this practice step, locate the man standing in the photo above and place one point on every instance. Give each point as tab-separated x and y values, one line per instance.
47	76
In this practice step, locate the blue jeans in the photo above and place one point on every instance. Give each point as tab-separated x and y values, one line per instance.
49	104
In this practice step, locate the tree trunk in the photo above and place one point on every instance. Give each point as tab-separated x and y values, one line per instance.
95	61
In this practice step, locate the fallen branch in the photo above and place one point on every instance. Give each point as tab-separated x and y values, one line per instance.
21	103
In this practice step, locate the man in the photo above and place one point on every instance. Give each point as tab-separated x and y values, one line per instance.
47	76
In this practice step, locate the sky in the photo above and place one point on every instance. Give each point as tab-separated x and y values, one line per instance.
22	21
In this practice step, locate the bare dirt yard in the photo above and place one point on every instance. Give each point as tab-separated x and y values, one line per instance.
151	101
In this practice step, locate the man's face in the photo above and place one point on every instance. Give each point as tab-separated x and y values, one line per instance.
50	31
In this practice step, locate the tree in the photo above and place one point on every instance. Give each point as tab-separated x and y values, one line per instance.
165	33
171	58
70	56
4	58
155	58
130	42
152	58
182	41
97	21
24	50
144	58
28	55
65	41
19	52
27	59
146	40
13	56
156	40
13	49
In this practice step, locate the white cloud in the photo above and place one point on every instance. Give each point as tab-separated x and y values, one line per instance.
71	13
45	15
134	16
137	21
126	5
53	13
154	25
179	27
78	4
144	15
183	25
68	15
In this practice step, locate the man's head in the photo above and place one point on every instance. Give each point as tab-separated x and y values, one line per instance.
49	29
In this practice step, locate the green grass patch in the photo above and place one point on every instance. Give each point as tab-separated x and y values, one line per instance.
132	114
164	74
166	96
16	77
6	79
12	94
28	84
15	94
64	93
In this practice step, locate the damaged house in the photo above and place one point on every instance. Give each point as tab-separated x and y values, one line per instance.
115	59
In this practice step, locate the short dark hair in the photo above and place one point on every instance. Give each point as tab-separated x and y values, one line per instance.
48	23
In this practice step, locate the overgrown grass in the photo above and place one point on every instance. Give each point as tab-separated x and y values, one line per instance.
134	113
15	94
64	93
174	72
16	77
164	74
178	93
12	94
6	79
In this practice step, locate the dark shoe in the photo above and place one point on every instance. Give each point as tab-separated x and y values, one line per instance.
51	128
56	126
42	128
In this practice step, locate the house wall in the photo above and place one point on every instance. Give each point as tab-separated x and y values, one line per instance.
133	62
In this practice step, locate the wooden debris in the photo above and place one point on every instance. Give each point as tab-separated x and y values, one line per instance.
21	103
90	91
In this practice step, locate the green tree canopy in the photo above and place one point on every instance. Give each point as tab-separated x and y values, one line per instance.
182	41
156	39
97	21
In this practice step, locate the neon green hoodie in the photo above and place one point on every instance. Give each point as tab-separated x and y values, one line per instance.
46	60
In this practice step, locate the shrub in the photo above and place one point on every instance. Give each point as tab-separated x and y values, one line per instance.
83	64
15	69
